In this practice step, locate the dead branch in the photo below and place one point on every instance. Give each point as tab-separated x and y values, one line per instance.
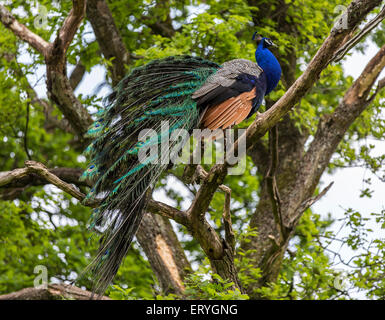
33	167
167	257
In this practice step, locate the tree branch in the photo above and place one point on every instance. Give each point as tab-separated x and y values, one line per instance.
51	292
164	252
77	75
167	211
33	167
15	182
22	32
108	37
69	28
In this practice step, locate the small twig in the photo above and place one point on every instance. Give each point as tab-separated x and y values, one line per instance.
229	232
26	133
309	202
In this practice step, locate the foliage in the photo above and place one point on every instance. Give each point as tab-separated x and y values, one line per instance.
43	226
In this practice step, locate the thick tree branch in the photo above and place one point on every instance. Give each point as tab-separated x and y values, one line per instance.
33	167
108	37
22	32
167	211
167	257
69	28
22	177
77	75
51	292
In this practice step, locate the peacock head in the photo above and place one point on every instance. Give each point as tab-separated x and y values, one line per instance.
262	41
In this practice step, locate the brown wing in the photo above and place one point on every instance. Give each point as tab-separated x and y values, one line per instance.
230	112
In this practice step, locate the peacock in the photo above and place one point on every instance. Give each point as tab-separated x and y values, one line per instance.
185	91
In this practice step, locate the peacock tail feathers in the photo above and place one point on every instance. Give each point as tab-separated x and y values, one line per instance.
150	96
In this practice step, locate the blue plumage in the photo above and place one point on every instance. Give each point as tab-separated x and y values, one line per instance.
269	63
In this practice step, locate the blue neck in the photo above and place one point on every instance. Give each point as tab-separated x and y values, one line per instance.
270	65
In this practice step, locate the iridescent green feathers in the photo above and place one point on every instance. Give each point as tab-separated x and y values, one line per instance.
150	95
